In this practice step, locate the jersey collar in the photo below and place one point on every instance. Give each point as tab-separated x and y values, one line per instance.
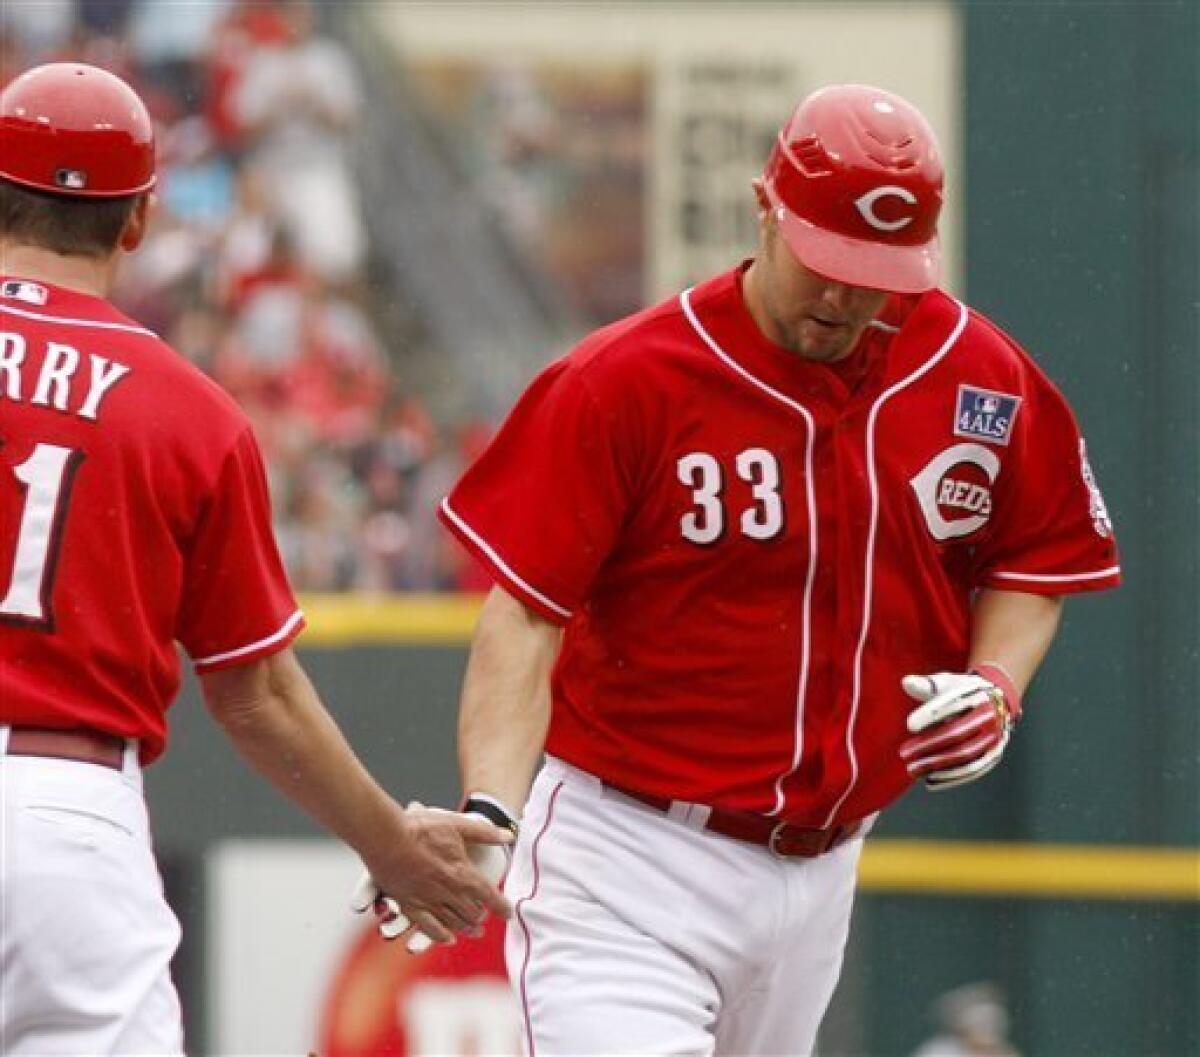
39	299
911	328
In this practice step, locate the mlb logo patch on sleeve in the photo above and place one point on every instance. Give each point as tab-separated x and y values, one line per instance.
985	414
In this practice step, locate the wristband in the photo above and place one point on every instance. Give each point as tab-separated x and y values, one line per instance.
491	809
996	675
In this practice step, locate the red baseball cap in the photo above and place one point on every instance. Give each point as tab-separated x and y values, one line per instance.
855	179
76	130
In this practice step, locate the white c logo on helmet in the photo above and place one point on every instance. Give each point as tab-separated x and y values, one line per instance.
866	206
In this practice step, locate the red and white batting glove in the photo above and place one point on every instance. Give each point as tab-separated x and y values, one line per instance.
961	727
368	895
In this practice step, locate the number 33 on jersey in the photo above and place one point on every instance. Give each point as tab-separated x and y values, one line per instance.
702	472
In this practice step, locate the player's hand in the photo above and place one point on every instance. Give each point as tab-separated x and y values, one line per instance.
962	725
430	879
491	860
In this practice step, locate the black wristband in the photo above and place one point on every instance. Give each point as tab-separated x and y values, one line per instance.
495	812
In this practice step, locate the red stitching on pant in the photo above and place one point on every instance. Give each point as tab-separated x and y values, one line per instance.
521	918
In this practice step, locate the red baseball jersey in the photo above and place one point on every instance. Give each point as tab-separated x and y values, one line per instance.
748	553
133	513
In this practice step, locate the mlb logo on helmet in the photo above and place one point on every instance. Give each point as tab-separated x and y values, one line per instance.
71	179
984	414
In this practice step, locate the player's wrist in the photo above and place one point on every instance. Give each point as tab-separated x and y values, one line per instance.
493	809
382	834
999	677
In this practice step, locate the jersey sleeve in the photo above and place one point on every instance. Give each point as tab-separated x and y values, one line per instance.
542	506
1052	533
237	604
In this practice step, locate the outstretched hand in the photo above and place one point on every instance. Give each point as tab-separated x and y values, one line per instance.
429	881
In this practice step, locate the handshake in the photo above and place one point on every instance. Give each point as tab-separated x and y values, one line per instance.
487	829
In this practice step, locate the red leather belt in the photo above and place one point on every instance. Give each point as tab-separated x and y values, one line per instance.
86	746
784	839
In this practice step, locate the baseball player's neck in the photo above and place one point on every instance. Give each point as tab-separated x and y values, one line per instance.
87	275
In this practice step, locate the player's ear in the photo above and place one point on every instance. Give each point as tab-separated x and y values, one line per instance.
762	198
766	212
135	226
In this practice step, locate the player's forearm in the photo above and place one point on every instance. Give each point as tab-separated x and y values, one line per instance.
1014	630
505	706
272	714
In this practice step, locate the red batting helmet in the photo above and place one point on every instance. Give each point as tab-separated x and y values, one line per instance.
855	179
75	130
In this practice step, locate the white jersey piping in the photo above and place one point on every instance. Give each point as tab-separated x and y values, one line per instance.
1065	578
869	578
77	322
500	563
241	651
810	500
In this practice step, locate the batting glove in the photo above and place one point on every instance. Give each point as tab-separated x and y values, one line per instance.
491	860
961	727
368	895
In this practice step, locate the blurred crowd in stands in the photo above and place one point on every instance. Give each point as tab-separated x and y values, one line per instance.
256	270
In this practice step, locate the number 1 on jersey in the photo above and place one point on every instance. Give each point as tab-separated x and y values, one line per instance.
47	475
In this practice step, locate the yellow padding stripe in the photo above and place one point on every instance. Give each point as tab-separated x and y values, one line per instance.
1039	871
397	620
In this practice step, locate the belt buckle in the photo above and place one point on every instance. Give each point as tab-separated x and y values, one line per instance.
814	842
776	832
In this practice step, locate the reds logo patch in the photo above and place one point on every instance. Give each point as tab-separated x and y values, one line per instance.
955	490
985	414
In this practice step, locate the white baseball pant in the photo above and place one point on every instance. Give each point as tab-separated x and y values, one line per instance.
635	933
86	937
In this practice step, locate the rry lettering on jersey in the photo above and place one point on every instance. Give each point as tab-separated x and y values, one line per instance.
955	490
985	414
59	382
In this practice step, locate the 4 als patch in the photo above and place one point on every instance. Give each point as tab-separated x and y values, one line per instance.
984	414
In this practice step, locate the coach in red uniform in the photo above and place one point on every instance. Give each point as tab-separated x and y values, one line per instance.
767	553
134	513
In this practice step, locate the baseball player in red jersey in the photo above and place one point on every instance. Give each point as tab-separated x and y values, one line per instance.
767	553
134	514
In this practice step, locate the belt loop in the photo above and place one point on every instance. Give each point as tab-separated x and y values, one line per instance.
832	837
130	766
4	729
